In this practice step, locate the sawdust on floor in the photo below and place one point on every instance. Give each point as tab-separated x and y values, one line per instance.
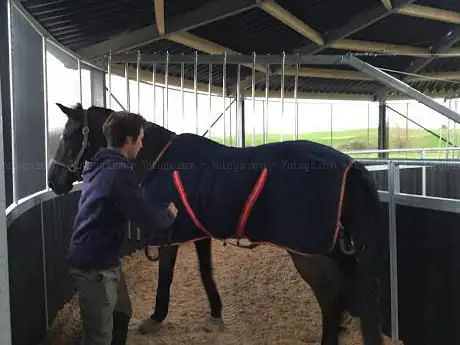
265	302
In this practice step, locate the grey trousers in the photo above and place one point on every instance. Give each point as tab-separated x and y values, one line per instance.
101	293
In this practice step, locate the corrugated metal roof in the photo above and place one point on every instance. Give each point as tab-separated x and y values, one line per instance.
446	64
326	15
175	8
251	31
402	29
324	85
82	23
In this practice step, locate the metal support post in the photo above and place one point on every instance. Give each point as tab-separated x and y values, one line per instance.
5	315
393	189
45	106
12	107
243	123
382	130
109	75
238	106
423	157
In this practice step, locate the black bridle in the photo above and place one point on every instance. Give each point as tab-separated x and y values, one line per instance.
73	165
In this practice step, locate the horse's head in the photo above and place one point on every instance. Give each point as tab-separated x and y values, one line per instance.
81	139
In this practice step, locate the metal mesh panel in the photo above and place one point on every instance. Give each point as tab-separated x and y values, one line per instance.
28	107
63	86
97	88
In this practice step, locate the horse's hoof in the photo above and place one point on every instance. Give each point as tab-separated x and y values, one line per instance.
347	321
214	324
149	326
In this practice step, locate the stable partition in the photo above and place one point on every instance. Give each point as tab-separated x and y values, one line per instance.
36	72
39	230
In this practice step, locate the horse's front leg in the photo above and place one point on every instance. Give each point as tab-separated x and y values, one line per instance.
167	261
203	250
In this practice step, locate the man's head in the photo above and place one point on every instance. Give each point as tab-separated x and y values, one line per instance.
124	133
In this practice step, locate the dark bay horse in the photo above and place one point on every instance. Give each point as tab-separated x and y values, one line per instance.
305	197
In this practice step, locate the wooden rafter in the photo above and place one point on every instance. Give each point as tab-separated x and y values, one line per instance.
327	73
387	4
428	12
284	16
195	42
159	8
445	76
147	77
378	47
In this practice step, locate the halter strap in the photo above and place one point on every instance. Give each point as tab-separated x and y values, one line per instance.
73	165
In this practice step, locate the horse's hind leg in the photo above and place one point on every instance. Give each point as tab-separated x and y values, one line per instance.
328	285
167	261
366	292
204	253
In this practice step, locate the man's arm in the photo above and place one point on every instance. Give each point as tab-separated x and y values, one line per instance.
127	196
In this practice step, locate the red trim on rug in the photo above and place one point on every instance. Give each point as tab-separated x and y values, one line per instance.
249	204
340	205
251	200
183	196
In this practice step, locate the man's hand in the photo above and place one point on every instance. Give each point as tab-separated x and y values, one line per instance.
172	208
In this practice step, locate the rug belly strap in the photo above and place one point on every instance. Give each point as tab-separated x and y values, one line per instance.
249	204
251	200
183	196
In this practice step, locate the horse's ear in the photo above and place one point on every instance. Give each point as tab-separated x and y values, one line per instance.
71	113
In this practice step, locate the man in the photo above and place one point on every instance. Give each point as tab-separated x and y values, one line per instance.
110	196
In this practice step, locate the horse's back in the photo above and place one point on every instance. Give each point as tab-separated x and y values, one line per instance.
300	203
298	206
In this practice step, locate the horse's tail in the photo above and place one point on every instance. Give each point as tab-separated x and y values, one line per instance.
367	231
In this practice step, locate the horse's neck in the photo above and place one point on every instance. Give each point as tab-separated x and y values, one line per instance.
155	141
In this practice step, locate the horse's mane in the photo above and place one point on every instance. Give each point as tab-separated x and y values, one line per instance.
150	126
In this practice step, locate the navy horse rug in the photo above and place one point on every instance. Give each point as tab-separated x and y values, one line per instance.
289	194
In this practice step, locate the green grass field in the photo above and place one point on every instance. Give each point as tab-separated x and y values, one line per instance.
366	139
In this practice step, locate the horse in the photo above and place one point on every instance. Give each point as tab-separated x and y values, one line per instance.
315	202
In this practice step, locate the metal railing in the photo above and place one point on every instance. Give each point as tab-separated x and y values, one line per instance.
423	151
394	197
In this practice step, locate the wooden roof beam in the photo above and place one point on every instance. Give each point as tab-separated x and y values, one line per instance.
286	17
378	47
387	4
326	73
195	42
159	8
445	76
147	77
329	73
289	95
428	12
